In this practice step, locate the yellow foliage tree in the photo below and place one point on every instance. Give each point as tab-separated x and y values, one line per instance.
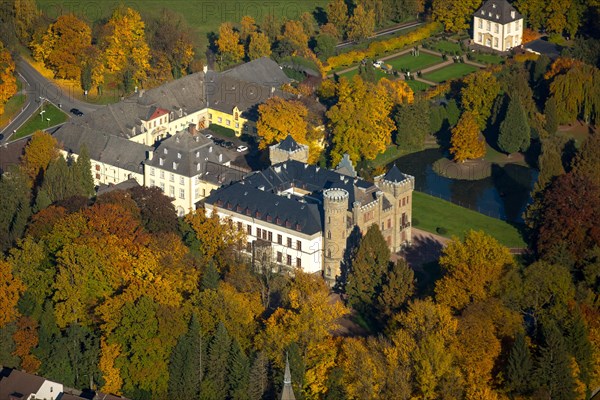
398	91
293	33
11	287
465	142
259	46
361	24
279	118
454	14
478	94
41	149
8	81
26	339
110	373
228	43
360	121
248	27
62	46
125	43
471	266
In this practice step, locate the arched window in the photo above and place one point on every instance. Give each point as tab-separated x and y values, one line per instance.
328	234
328	252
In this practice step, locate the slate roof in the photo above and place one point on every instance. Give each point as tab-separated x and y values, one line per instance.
541	46
262	71
345	166
263	192
183	152
10	153
14	382
125	185
103	147
288	144
394	175
497	11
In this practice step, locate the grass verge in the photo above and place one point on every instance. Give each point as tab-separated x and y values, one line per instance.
452	71
11	108
38	122
417	86
432	213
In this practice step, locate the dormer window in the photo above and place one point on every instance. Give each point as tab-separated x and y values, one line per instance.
166	151
197	167
258	214
197	154
179	155
278	221
161	161
269	218
174	165
288	224
482	12
298	228
513	14
493	5
248	211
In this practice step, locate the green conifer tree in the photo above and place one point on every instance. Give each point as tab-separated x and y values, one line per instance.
514	130
551	114
238	373
15	209
82	174
519	366
452	112
210	277
186	368
214	385
259	376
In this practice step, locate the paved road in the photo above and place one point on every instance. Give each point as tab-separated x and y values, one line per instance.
34	87
384	32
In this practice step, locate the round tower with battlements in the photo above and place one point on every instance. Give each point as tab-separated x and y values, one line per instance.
335	206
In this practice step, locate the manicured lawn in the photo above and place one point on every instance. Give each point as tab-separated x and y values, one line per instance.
221	130
446	46
12	108
453	71
487	58
414	63
378	74
40	122
417	86
432	213
204	16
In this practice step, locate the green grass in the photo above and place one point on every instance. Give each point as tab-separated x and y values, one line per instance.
414	63
204	16
432	213
446	46
378	74
12	108
35	122
221	130
417	86
452	71
487	58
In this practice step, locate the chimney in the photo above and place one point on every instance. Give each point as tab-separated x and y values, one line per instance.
272	90
141	93
192	129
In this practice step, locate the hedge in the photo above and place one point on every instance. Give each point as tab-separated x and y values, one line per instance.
377	49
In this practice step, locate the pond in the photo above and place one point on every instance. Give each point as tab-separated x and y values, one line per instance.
504	195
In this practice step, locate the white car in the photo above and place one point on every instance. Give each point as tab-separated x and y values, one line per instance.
378	64
208	136
241	149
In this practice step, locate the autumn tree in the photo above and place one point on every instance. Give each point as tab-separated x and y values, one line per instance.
62	45
293	37
157	212
367	271
247	28
228	43
568	212
26	339
465	142
454	14
337	14
586	162
279	118
258	46
41	149
170	35
577	91
360	121
471	267
124	43
26	15
477	95
514	130
361	24
8	81
11	288
398	91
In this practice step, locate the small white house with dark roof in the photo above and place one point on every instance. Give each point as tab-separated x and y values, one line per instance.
497	25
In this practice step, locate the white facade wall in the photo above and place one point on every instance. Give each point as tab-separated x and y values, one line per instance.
106	174
49	390
310	253
168	125
497	36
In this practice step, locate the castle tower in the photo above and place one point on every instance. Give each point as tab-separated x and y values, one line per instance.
288	149
335	205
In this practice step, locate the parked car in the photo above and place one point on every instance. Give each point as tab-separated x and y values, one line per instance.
208	136
76	111
378	64
241	149
218	142
228	145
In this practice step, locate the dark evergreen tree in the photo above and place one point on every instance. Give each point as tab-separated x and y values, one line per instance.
581	348
157	211
214	385
553	371
82	174
452	112
335	385
551	114
210	277
238	373
397	286
437	116
259	377
519	366
15	209
369	265
514	130
7	346
367	72
540	67
57	183
186	369
325	46
412	124
83	350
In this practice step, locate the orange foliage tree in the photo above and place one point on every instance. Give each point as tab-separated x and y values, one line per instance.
465	141
279	118
26	339
8	81
11	287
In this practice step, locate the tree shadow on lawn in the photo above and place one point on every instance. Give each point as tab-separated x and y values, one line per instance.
423	257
